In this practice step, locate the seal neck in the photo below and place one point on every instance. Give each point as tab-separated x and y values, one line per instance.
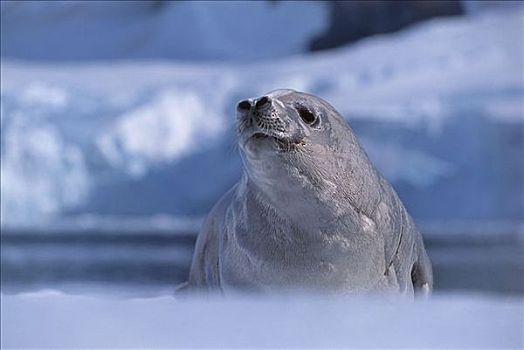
312	211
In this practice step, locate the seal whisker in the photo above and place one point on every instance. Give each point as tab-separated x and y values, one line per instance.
233	146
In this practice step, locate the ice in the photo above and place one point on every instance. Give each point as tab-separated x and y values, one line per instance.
400	163
159	131
438	108
38	170
56	320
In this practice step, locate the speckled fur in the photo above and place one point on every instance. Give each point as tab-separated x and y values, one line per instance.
309	213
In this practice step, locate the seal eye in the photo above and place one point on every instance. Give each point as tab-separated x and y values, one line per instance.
306	115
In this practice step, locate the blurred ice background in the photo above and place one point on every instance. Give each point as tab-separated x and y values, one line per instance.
117	138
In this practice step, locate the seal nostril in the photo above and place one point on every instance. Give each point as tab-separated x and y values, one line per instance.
244	105
262	102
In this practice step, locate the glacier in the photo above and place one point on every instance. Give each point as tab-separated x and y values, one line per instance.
438	107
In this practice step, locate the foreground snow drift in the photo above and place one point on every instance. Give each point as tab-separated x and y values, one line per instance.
438	108
53	320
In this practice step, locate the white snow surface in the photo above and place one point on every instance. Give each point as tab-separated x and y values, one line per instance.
143	137
56	320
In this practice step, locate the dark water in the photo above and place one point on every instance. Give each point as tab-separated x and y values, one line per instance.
139	260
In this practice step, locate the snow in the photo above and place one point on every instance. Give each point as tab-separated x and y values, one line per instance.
438	107
56	320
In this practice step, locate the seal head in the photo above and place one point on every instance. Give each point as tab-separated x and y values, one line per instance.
299	150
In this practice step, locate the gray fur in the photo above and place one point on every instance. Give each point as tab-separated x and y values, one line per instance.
309	213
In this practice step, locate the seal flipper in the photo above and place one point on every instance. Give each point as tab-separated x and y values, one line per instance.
182	288
204	268
204	272
422	275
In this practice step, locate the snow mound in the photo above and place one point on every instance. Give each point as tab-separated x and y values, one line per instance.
55	320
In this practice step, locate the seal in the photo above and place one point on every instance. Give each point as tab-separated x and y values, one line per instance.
310	211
